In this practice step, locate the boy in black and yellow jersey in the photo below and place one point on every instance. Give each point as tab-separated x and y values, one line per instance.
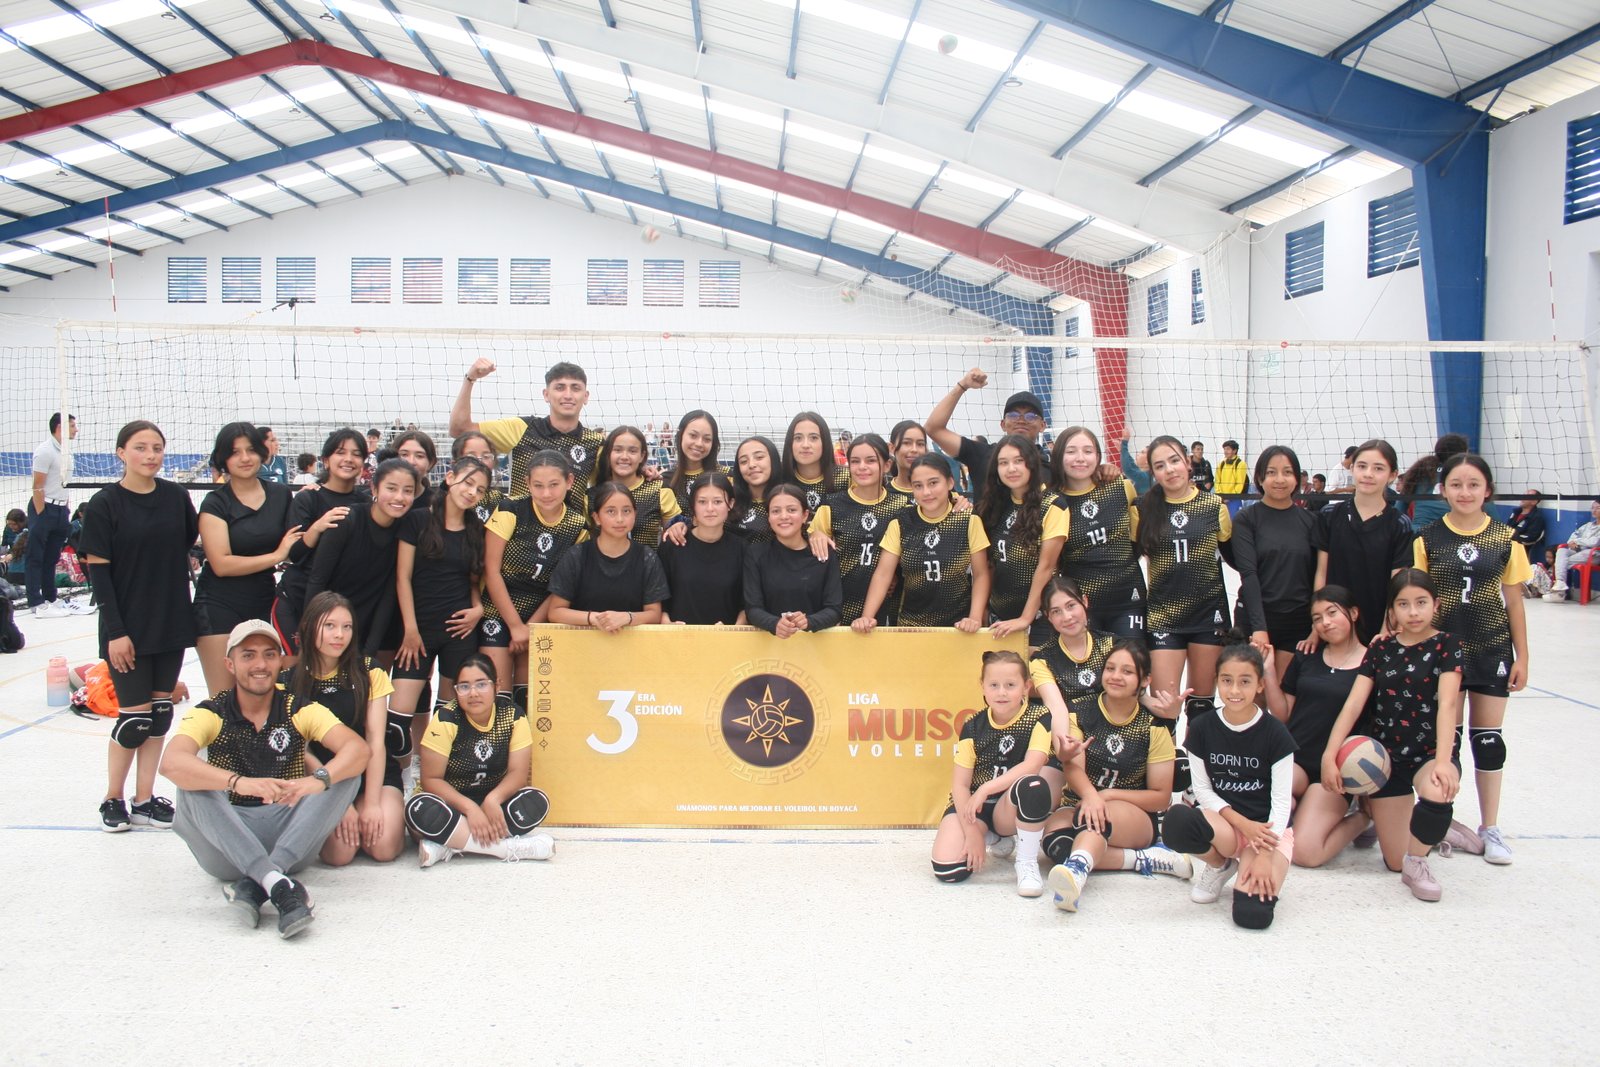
475	760
252	787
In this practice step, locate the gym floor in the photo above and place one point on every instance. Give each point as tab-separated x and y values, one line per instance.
788	947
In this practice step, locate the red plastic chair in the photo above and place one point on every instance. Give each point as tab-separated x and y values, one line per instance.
1585	572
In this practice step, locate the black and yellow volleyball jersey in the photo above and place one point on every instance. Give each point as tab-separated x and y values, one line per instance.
476	757
534	545
1118	753
654	506
818	490
277	750
524	436
1075	678
856	527
492	499
1470	570
935	564
1186	592
750	522
685	505
1013	561
990	750
1098	550
906	497
337	695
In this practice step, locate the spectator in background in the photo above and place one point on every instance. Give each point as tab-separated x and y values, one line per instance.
15	554
1200	472
1232	477
1420	482
374	443
1317	495
1527	525
1343	480
276	468
1580	548
1135	466
306	464
48	520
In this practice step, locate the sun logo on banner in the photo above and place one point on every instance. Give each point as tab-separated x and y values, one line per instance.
768	720
766	723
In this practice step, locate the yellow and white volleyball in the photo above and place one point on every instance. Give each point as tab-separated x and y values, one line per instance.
649	235
948	43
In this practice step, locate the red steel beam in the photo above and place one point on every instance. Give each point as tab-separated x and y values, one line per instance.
1072	276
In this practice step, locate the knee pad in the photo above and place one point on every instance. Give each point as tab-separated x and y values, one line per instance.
1488	748
134	728
1196	706
1253	913
1057	844
1430	821
519	693
951	872
397	735
430	817
1032	797
1105	833
1181	778
160	716
1185	829
526	809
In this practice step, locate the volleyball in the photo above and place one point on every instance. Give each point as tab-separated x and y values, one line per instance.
947	44
847	295
1363	766
649	235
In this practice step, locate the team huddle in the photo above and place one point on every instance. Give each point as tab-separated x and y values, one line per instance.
321	618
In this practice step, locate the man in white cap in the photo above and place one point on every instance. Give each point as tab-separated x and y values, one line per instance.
253	810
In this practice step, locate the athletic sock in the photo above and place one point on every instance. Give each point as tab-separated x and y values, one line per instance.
272	879
1131	858
1081	858
1028	845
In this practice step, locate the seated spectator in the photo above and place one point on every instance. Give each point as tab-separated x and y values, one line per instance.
1344	480
1527	525
1580	548
1232	478
15	552
306	464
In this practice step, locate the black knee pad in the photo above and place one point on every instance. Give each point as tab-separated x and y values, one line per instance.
430	817
397	736
1488	748
519	693
1185	829
1033	798
1253	913
160	716
526	809
1104	832
1181	778
1058	844
1196	706
952	872
134	728
1169	725
1430	821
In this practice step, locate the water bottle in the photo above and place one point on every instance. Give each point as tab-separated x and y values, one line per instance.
58	690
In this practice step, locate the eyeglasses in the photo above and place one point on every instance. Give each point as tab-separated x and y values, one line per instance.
485	686
1029	417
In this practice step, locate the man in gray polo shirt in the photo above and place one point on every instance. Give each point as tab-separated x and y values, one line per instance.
48	520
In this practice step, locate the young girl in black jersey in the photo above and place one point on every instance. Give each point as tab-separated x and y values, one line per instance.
908	442
1308	697
996	784
1012	504
1241	764
438	577
1181	530
357	557
755	467
476	445
706	572
1119	771
851	522
474	795
525	539
332	672
1068	667
1088	536
808	459
1478	567
621	460
939	556
610	582
344	457
787	588
1363	540
1272	549
1412	676
697	445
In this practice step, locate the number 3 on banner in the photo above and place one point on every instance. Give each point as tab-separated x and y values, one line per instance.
619	699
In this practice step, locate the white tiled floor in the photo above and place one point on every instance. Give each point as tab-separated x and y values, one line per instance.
789	947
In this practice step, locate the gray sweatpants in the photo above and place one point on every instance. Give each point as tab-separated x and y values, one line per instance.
230	842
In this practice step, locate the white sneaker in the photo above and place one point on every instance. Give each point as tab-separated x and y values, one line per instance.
1030	883
1558	587
529	847
1495	849
999	846
1209	881
80	607
1159	859
50	609
431	852
1066	884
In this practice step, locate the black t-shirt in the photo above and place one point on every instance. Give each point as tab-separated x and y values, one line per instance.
974	455
356	558
706	579
589	580
779	579
1405	693
440	585
1362	553
1239	762
1276	562
305	509
146	537
1319	693
251	532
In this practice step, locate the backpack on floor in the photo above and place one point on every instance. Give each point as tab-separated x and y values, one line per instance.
11	639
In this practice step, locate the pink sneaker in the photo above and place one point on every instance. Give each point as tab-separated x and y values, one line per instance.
1460	839
1414	875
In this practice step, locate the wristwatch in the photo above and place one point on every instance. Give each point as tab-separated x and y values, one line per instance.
321	775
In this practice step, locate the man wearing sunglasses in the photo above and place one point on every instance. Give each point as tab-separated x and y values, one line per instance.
1023	414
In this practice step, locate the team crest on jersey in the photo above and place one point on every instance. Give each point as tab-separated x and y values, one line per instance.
1467	554
483	749
1501	671
813	498
931	538
1179	520
1086	677
329	688
491	627
1089	510
482	511
1115	744
869	521
278	740
749	517
578	454
544	542
1007	743
1011	520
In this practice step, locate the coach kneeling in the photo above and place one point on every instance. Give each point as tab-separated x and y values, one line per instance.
250	811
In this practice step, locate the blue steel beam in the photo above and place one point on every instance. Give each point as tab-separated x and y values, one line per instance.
1068	232
699	29
605	13
794	41
1378	28
1000	82
1292	180
1536	62
894	61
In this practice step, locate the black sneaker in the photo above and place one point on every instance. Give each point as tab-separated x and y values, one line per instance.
248	897
294	907
155	813
114	815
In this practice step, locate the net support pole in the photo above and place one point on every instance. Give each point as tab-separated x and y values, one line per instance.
61	406
1109	311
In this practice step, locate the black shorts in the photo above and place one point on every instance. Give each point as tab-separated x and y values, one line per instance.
1498	688
286	620
493	633
1121	620
449	652
1403	775
1287	631
1160	642
153	672
1155	822
1487	671
215	618
986	815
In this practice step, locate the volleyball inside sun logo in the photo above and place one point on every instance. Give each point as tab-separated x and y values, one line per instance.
767	720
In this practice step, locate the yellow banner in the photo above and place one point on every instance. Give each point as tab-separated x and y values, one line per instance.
731	727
